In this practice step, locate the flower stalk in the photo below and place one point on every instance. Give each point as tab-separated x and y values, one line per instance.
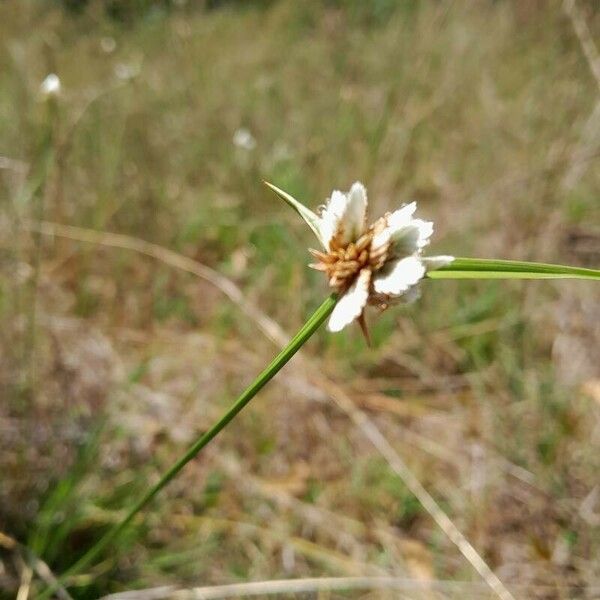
307	330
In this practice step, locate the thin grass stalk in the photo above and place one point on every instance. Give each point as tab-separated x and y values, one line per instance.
307	330
38	201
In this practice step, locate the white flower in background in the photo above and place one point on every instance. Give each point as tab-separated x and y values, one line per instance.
242	138
50	86
281	152
127	72
108	44
376	264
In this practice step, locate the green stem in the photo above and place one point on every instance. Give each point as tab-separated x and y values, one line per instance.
313	323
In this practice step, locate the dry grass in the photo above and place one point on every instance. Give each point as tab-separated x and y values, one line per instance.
483	112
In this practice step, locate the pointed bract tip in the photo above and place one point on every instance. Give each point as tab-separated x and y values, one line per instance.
310	218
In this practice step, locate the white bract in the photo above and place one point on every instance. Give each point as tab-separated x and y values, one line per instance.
376	264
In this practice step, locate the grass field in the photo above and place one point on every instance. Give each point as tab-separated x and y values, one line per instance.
114	356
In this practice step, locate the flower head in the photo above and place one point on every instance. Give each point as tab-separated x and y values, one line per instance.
377	264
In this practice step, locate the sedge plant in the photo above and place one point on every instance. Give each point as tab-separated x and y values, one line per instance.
378	264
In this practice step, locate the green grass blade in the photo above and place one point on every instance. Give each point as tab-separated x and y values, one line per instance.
484	268
312	220
307	330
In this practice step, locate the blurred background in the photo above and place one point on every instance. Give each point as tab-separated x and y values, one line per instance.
147	275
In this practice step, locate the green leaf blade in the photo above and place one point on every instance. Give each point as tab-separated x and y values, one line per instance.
311	219
483	268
